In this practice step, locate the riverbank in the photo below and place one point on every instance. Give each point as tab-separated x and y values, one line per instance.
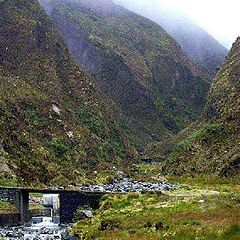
7	207
203	208
154	207
9	215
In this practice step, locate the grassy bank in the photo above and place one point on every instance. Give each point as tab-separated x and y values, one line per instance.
6	207
204	208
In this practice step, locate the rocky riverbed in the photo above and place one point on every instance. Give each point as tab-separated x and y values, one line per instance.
43	231
127	185
47	230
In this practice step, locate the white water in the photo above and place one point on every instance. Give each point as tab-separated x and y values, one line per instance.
42	228
46	222
45	230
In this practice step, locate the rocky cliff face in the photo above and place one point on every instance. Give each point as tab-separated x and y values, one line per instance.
212	145
53	122
196	43
137	65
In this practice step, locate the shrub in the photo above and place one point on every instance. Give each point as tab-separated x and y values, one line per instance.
233	232
110	224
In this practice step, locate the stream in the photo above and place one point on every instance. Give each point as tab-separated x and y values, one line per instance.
40	230
48	228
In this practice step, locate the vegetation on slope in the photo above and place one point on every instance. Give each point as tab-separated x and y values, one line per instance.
54	124
213	143
155	87
196	43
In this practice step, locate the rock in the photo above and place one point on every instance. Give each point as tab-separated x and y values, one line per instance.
10	234
56	109
26	233
122	185
70	134
84	214
119	175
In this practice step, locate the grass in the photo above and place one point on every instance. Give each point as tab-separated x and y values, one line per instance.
199	210
208	181
36	206
6	207
6	182
212	131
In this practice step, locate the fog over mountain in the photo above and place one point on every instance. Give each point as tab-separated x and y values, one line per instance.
196	43
221	21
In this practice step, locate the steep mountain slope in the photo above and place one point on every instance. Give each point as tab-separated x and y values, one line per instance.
212	145
196	43
155	87
53	122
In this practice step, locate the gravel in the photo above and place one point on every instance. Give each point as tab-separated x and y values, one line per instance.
127	185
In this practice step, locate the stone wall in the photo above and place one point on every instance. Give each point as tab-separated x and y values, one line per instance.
20	198
8	195
10	219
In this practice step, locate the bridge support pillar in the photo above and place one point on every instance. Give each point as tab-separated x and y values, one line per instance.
22	204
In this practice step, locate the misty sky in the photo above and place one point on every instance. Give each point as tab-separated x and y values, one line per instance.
221	18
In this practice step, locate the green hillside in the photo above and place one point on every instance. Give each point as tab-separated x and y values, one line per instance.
195	42
211	145
156	89
54	125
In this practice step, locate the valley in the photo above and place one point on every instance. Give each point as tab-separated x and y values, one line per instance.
132	119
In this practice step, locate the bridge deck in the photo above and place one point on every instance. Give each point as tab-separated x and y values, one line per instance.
50	191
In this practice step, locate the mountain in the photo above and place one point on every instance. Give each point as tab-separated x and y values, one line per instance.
155	88
211	145
196	43
54	124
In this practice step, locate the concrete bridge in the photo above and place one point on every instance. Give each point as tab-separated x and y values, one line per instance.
70	200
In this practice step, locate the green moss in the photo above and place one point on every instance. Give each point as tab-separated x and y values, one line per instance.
232	233
7	180
216	183
61	150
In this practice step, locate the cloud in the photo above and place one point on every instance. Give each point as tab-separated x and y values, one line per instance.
220	18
